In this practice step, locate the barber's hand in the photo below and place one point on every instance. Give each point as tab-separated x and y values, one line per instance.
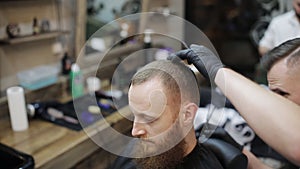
203	59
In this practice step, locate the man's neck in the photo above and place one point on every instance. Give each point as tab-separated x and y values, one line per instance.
191	142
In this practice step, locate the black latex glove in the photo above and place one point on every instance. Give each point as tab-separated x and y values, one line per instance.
202	58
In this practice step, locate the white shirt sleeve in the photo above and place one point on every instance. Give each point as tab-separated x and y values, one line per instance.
268	40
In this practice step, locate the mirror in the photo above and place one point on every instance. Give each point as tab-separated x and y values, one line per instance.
101	12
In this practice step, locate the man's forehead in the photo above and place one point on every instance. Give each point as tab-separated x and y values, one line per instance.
279	67
282	74
151	99
156	100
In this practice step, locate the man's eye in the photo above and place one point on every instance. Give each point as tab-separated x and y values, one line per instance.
282	93
149	119
143	119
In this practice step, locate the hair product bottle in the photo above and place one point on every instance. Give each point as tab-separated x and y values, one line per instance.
77	83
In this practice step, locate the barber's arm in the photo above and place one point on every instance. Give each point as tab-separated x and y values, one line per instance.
275	119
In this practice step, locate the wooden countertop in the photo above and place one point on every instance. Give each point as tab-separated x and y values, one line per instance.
53	146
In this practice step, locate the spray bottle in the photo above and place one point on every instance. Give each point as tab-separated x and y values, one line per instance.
77	84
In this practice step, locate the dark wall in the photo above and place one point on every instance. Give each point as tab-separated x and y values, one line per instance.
227	23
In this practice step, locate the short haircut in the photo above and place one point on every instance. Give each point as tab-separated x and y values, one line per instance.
177	79
288	49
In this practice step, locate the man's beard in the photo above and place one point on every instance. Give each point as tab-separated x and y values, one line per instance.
169	159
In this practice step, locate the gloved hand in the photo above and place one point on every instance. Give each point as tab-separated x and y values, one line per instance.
202	58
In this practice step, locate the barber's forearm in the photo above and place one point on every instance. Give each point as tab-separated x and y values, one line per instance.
245	95
274	118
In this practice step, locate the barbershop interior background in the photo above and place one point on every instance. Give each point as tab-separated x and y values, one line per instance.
50	53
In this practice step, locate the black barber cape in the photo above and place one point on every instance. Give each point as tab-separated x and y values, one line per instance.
199	158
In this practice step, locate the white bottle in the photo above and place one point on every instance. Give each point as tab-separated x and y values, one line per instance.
17	109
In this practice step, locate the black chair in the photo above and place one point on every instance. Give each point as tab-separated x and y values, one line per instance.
226	149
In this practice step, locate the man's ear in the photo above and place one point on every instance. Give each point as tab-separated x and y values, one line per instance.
189	113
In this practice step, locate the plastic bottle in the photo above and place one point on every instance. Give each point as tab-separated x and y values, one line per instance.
35	26
124	33
147	45
66	64
77	83
147	39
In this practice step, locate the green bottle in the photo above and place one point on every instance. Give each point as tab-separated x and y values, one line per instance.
77	84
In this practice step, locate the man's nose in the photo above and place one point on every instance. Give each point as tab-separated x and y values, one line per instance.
138	130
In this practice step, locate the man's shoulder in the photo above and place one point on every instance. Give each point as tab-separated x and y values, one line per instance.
201	158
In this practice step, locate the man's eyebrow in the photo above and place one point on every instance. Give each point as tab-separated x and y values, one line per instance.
145	117
141	114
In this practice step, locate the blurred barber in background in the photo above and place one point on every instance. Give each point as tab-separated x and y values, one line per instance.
281	28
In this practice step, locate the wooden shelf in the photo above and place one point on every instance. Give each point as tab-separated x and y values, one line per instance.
41	36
